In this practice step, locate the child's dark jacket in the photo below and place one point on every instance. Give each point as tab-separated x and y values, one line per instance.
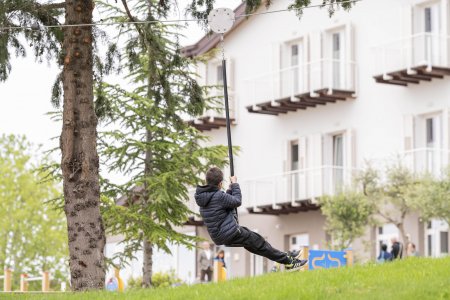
217	209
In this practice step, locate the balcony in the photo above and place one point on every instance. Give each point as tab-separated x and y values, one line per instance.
301	87
214	117
194	220
294	191
432	161
420	57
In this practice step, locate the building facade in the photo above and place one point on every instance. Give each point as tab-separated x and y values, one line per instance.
313	99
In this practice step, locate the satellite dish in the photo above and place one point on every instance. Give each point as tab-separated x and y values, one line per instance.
221	20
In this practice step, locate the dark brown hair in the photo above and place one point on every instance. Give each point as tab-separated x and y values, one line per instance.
214	176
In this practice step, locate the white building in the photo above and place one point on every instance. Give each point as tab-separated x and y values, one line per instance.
313	98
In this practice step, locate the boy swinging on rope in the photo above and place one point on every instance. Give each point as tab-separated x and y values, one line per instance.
218	210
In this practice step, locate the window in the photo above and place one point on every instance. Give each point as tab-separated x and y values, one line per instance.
337	59
430	131
294	156
426	40
338	162
294	55
380	230
336	45
294	177
430	245
444	242
298	241
428	26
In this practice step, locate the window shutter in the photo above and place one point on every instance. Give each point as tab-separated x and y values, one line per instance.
350	69
446	136
350	155
302	163
302	166
285	154
315	167
276	67
408	133
201	74
230	74
316	55
350	151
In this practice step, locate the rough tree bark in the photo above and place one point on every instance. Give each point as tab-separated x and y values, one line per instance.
147	268
80	162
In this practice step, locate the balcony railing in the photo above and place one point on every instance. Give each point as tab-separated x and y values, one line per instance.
427	160
292	188
422	56
310	79
218	108
214	117
195	219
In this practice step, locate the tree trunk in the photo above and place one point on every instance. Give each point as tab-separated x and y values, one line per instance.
80	162
147	268
404	238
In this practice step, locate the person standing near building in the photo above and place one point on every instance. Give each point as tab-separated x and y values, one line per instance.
206	262
411	250
397	249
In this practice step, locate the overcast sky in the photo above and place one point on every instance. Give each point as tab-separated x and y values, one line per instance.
25	96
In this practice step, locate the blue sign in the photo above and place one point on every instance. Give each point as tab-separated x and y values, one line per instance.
320	259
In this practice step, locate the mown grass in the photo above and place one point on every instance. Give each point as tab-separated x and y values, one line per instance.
408	279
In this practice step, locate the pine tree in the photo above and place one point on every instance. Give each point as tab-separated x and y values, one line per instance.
153	143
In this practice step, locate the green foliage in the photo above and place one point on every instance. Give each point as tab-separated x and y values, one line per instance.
412	278
201	8
45	43
150	141
392	195
432	197
33	233
348	214
159	280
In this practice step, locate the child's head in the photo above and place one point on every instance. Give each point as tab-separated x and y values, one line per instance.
384	247
214	177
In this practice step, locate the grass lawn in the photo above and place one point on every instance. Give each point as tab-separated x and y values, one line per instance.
408	279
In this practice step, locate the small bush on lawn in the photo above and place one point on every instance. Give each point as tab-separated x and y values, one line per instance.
159	280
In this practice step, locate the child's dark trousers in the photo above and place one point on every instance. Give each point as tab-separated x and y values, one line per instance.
256	244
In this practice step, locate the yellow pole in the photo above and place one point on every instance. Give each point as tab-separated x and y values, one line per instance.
7	281
349	257
119	280
45	282
305	256
23	283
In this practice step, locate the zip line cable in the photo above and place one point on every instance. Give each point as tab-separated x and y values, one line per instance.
39	27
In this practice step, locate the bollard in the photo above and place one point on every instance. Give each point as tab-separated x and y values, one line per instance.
349	257
7	282
45	281
305	256
23	282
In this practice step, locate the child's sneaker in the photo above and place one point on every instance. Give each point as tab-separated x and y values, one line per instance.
295	253
296	264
